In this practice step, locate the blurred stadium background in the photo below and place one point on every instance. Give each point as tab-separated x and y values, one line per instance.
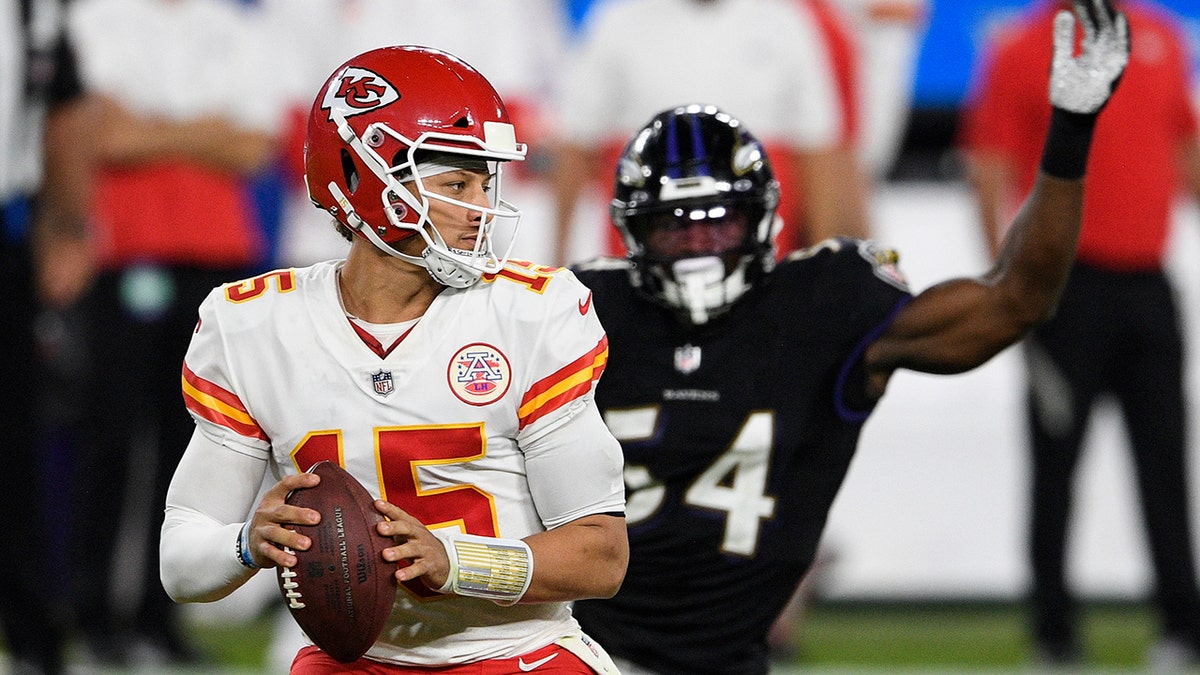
924	554
925	550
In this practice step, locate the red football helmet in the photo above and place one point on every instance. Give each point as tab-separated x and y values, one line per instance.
386	117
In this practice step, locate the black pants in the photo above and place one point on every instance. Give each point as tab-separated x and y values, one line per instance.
139	322
28	603
1118	334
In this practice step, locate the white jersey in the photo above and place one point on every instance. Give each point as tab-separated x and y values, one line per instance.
441	425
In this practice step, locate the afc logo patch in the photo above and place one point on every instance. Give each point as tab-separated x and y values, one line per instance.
357	90
479	374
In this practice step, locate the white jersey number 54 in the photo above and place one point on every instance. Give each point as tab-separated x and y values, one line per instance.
735	483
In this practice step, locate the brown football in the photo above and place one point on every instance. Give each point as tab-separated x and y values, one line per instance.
341	590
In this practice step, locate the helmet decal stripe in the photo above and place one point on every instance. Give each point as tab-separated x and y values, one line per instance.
673	161
700	156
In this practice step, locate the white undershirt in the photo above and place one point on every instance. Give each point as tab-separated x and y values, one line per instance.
386	333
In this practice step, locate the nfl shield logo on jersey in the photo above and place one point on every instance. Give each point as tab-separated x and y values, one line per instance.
687	359
381	380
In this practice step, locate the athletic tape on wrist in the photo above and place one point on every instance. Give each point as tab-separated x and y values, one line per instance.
243	548
487	567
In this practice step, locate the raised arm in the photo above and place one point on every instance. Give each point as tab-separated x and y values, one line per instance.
961	323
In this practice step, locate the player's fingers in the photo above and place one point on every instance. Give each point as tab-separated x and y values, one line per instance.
281	557
268	524
271	513
398	521
1064	35
300	480
415	570
418	559
1105	13
1086	11
276	543
296	515
280	490
1123	31
411	543
402	529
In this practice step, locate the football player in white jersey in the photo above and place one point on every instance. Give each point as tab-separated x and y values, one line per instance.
454	384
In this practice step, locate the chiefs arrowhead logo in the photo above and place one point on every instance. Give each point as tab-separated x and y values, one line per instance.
357	90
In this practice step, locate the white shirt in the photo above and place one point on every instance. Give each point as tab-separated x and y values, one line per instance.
182	59
888	35
21	120
472	421
762	61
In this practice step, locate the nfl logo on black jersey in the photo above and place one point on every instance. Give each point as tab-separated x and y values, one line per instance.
382	381
687	359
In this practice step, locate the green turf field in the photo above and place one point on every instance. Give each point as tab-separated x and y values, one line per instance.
884	637
840	638
958	637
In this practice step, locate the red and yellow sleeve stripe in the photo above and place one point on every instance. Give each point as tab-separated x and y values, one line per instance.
563	386
218	405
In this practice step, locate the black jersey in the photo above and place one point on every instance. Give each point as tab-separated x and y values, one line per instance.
737	436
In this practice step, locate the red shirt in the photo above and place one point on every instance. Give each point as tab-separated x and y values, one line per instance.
174	213
1133	171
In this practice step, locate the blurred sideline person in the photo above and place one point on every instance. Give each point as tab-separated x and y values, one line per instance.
766	57
40	227
180	125
738	387
455	384
886	39
1117	328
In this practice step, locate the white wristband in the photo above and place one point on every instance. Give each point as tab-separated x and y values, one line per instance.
487	567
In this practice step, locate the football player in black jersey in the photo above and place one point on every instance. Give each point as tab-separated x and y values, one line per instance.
738	387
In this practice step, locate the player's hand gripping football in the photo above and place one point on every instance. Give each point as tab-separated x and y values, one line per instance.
419	553
271	541
1082	84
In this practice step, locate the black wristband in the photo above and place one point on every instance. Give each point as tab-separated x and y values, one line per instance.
1067	143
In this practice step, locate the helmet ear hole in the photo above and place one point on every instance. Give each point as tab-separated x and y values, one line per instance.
349	171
